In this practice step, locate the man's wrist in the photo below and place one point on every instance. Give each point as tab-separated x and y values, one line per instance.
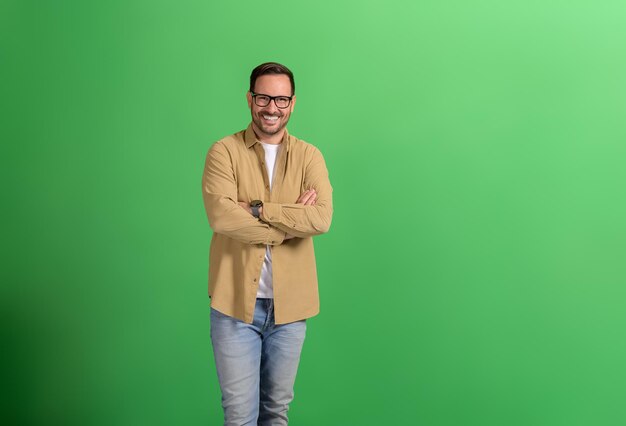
256	207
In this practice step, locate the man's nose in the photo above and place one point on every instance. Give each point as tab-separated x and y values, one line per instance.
272	106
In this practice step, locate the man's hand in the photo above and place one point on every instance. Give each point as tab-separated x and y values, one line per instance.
307	197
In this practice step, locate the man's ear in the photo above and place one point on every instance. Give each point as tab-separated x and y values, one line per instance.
249	98
293	102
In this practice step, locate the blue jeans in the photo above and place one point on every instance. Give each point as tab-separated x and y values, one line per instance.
256	365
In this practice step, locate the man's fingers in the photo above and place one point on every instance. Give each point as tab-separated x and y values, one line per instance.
303	197
306	195
311	199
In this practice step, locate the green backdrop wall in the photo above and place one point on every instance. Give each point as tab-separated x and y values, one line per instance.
475	271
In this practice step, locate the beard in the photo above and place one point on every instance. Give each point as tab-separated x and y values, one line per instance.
270	130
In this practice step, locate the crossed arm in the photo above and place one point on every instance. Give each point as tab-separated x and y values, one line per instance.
226	217
307	198
310	215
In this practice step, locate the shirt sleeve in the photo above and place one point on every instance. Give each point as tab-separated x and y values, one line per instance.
300	220
226	217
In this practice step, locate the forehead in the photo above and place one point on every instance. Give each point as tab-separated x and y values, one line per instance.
273	85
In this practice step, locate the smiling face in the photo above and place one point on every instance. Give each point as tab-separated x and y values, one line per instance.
269	121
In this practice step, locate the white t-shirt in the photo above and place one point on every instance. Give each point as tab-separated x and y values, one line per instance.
266	289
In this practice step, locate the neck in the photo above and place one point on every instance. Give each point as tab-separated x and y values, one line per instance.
274	139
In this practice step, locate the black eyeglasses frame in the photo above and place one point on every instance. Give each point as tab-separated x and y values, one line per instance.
272	98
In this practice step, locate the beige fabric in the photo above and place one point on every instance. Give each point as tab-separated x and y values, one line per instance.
235	171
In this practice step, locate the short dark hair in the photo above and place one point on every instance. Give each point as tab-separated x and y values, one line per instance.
272	68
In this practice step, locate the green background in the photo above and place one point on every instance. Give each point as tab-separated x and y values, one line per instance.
475	270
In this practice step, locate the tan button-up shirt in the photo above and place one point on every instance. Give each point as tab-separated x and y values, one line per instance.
235	171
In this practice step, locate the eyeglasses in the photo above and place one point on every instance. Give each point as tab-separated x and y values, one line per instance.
281	102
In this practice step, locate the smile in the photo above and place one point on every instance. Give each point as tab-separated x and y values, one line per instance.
270	118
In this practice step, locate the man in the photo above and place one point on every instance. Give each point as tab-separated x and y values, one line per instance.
266	193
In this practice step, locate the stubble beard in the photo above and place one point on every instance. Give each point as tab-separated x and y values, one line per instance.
258	121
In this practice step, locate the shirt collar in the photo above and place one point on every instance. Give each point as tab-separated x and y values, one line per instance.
250	137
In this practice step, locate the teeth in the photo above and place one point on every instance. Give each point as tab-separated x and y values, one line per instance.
270	117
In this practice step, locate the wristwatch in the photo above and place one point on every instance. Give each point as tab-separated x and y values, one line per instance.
255	205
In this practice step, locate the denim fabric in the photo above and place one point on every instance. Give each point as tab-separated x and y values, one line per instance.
256	365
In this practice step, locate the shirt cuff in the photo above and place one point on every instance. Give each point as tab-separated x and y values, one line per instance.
275	236
271	213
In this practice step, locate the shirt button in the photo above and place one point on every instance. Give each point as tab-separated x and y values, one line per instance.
254	280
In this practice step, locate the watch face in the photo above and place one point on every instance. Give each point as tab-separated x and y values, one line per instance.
256	203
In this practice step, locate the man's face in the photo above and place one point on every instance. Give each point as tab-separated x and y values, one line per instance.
270	120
